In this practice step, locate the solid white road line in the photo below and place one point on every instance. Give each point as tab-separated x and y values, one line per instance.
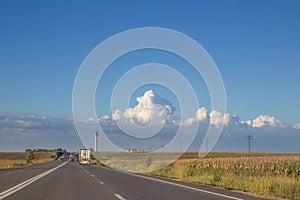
120	197
187	187
175	184
18	187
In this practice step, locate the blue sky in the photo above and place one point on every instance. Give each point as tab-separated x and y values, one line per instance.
255	45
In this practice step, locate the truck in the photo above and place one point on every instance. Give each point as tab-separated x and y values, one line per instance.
84	156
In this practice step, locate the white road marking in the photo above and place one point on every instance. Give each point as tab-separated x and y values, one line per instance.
175	184
187	187
92	175
120	197
20	186
101	182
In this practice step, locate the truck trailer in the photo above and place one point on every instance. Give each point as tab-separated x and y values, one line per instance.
84	156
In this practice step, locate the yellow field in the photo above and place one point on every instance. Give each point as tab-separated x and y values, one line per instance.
18	159
257	173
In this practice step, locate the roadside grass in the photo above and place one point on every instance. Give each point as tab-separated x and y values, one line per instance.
263	174
257	173
137	162
18	159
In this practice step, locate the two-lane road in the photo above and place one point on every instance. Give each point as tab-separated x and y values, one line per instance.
69	180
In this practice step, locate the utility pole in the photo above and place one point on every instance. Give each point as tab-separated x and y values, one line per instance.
249	138
95	140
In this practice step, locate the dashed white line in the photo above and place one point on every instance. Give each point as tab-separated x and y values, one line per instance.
101	182
119	197
92	175
18	187
176	184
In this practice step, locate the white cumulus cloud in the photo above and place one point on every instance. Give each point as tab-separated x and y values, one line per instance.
201	116
217	118
150	109
214	117
297	126
267	121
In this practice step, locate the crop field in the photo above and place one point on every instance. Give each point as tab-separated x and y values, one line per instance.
18	159
264	174
136	161
257	173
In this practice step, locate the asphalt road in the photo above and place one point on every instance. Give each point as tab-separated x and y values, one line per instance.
69	180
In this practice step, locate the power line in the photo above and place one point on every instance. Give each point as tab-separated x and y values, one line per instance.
249	138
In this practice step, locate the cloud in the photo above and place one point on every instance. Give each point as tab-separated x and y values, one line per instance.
18	132
297	126
21	130
267	121
217	118
150	109
201	116
247	122
23	122
105	120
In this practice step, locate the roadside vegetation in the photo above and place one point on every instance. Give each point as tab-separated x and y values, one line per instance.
29	157
257	173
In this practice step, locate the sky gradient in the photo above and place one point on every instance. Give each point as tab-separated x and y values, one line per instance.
255	44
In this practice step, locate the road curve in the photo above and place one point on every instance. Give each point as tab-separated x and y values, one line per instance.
73	181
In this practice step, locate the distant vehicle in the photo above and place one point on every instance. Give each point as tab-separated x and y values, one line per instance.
62	157
84	156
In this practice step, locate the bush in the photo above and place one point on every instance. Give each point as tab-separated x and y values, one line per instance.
29	156
148	160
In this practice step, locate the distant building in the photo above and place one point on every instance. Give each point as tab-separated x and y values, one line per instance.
131	150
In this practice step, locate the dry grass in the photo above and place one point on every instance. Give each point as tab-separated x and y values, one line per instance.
264	174
18	159
257	173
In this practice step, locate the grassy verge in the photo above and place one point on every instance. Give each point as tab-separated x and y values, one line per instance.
18	159
257	173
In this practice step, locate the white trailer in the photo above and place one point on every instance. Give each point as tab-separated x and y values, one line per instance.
84	156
